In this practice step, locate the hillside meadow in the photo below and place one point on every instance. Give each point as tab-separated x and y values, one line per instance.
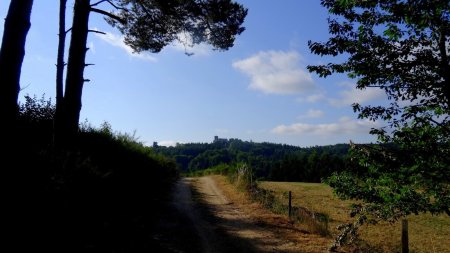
427	233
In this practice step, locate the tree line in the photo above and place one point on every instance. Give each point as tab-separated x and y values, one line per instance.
277	162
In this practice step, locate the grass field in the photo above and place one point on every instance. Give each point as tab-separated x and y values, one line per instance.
427	233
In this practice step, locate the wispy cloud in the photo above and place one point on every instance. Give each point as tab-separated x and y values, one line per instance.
348	95
352	95
117	41
276	72
345	125
311	114
314	98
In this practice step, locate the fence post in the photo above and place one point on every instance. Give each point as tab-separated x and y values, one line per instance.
405	247
290	204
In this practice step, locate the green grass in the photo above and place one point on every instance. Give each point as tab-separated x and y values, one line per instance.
427	233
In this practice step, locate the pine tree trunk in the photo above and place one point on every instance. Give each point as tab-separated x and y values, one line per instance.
14	176
67	120
60	57
60	72
12	52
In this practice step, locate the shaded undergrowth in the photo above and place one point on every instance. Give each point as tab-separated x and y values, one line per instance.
102	195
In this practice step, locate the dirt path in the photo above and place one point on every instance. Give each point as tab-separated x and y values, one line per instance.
183	201
195	199
224	226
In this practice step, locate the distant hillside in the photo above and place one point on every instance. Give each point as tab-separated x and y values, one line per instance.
278	162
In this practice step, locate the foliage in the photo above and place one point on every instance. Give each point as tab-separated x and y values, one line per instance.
306	167
153	24
36	110
221	169
104	195
114	184
271	161
243	177
210	158
35	122
401	47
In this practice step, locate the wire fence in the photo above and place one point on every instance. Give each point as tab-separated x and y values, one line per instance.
316	222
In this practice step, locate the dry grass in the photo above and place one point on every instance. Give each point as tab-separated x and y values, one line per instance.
279	224
427	233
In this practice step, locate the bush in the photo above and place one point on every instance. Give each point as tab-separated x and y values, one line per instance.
101	196
221	169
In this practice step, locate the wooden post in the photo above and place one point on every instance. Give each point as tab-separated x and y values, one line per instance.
290	204
405	247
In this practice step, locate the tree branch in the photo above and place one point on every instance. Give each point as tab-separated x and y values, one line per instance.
445	68
115	6
144	8
109	15
445	127
111	3
99	2
95	31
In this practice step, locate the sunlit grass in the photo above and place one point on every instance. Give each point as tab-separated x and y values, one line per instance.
427	233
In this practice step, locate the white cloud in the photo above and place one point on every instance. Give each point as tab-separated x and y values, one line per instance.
117	41
352	95
311	114
312	98
276	72
345	125
315	98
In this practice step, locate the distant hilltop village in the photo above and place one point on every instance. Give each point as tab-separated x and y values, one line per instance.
219	140
216	140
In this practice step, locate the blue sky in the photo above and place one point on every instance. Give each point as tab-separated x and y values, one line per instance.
259	90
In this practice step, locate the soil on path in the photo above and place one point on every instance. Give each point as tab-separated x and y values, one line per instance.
209	221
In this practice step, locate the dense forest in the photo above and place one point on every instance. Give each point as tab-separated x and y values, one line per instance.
278	162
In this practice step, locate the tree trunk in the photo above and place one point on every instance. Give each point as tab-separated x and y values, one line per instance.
60	57
12	52
67	120
60	71
14	176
